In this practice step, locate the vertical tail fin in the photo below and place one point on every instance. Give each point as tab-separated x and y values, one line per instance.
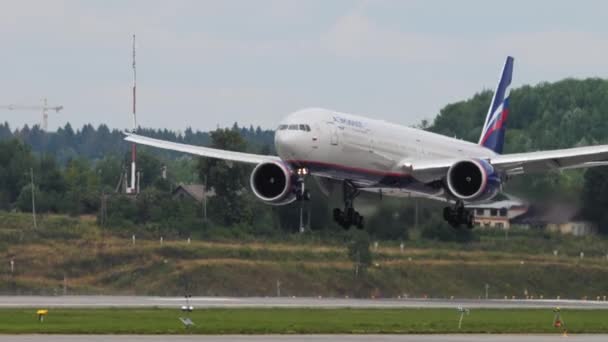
493	133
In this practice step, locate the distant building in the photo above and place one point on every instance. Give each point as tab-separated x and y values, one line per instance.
497	214
194	192
561	218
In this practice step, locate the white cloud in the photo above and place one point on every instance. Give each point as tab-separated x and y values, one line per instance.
557	49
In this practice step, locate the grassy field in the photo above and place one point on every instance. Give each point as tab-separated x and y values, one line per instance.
298	321
77	253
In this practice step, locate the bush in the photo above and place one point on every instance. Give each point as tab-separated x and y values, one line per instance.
358	249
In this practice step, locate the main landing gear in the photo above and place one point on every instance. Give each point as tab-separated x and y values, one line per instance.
458	215
349	216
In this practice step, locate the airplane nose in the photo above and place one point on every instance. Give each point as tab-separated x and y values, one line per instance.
286	144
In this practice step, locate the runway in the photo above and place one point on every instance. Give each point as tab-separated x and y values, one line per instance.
303	338
259	302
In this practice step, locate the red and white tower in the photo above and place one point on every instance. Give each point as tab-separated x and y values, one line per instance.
133	188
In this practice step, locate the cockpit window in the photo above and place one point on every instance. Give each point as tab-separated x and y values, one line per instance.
294	127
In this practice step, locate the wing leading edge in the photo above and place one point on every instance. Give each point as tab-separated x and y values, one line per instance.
201	151
530	162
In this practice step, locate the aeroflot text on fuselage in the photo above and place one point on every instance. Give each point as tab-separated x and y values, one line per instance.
348	122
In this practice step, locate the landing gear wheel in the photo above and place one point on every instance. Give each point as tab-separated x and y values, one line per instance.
458	216
349	216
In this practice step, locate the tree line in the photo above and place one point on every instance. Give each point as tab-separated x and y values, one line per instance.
95	143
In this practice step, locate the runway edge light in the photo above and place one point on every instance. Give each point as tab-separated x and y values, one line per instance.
41	314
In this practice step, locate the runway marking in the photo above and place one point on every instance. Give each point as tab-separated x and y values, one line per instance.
197	299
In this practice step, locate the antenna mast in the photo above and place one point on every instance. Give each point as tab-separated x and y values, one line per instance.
133	189
134	88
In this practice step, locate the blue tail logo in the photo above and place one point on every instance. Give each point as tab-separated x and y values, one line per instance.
493	133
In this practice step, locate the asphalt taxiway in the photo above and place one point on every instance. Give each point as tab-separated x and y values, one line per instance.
284	302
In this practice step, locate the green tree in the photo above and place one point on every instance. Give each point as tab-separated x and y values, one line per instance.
389	222
150	167
82	195
15	163
227	179
108	170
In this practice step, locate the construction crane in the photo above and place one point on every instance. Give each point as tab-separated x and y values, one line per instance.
44	108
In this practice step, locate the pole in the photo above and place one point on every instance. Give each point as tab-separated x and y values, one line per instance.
205	200
133	146
309	214
357	265
134	88
301	217
416	213
33	197
460	320
278	288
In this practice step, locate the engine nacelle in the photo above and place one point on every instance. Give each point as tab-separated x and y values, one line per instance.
473	180
273	183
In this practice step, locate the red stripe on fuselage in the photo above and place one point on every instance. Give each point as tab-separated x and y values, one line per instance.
349	168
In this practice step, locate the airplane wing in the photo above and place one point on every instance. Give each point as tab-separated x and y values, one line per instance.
520	163
201	151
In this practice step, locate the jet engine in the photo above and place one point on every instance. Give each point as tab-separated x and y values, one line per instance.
273	183
473	180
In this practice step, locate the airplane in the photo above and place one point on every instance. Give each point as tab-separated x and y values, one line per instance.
363	154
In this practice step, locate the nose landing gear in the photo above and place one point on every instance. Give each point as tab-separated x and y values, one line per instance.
302	194
349	216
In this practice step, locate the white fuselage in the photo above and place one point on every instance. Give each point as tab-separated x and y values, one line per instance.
367	151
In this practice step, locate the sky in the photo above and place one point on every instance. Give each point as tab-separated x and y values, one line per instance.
204	64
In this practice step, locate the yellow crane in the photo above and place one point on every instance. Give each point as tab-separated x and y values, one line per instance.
44	108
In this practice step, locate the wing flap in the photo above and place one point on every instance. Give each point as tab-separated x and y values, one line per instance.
200	150
572	158
519	163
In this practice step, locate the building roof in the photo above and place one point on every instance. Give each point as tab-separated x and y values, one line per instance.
196	191
508	204
556	213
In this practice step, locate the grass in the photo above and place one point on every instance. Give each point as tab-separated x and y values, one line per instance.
298	321
97	261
